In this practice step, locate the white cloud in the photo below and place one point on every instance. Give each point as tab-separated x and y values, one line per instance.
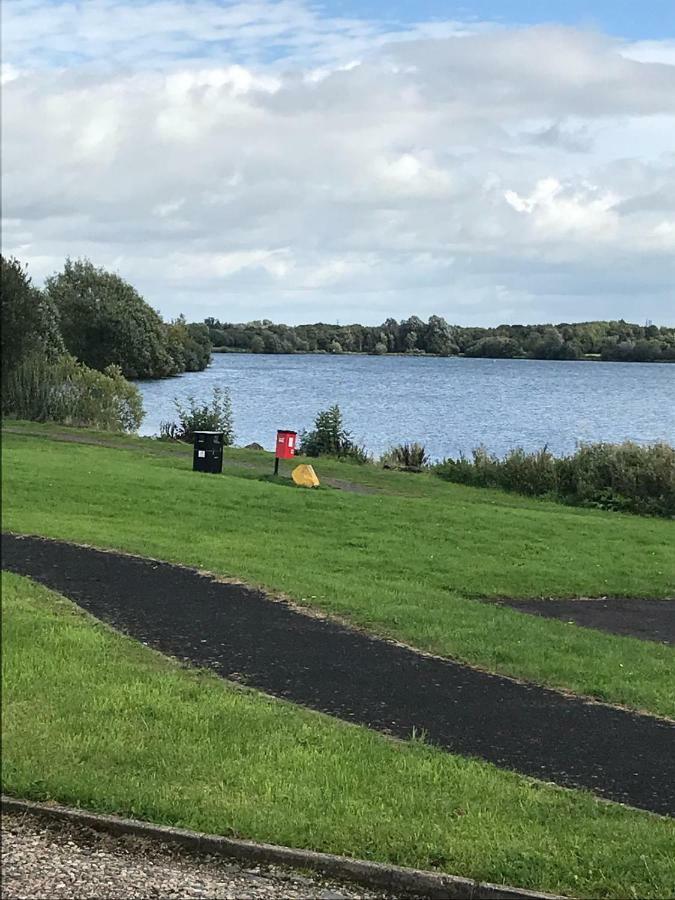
558	211
259	159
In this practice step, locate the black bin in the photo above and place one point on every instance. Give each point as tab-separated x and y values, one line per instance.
208	452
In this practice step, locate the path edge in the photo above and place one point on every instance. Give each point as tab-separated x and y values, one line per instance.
363	872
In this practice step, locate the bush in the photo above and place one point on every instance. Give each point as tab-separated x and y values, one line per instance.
407	456
330	438
629	477
71	393
196	416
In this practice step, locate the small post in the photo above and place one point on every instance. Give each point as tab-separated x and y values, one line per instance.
276	465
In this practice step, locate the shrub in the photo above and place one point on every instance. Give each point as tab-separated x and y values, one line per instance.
199	416
71	393
630	477
407	456
627	476
330	438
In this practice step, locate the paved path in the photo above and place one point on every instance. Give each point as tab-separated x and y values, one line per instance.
649	620
59	860
243	635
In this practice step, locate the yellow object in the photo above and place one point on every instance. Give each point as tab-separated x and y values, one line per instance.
305	476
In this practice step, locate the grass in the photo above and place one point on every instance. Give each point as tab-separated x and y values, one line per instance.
94	719
406	567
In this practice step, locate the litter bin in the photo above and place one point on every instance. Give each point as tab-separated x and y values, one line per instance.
208	452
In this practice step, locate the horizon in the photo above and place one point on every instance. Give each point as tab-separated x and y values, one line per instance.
487	162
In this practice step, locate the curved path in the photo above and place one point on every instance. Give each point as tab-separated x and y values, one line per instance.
243	635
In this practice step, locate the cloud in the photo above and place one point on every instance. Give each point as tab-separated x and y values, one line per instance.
262	159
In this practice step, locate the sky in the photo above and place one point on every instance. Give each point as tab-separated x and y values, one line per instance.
348	161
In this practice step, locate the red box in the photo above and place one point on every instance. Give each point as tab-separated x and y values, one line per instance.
286	443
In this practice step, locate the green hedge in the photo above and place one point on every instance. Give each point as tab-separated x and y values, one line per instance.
628	477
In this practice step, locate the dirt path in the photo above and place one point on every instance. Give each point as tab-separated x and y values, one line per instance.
649	620
242	635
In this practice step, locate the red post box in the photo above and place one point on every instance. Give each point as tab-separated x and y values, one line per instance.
286	441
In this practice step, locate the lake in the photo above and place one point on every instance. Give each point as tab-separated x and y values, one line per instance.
449	404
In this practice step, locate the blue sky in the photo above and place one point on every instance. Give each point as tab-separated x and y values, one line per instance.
653	19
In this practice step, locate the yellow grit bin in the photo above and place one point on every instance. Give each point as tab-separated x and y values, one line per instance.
305	476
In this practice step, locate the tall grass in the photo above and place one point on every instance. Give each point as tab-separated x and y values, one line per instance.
628	477
193	415
411	456
71	393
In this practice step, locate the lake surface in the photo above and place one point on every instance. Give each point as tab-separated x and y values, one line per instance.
450	405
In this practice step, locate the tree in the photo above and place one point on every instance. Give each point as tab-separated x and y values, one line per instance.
189	345
495	348
440	337
410	341
30	321
105	321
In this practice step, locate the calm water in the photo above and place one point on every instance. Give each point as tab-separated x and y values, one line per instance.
450	405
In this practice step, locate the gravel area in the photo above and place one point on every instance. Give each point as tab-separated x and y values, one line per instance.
57	860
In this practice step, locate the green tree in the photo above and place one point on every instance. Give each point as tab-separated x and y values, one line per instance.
189	345
30	321
440	337
105	321
495	348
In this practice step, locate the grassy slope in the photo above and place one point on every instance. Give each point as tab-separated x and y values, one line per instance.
94	719
400	566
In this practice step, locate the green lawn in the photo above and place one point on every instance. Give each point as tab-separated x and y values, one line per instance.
94	719
408	567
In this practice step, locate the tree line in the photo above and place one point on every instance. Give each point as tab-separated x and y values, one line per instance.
611	340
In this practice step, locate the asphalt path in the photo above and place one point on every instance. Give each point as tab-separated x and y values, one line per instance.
243	635
648	620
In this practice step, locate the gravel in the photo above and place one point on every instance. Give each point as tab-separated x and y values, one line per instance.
58	860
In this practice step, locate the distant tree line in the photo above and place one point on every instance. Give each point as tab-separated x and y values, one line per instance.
617	340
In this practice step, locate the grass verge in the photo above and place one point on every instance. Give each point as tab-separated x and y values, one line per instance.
409	568
91	718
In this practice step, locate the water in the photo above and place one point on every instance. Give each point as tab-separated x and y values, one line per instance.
450	405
